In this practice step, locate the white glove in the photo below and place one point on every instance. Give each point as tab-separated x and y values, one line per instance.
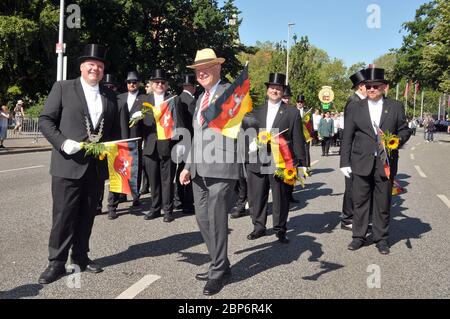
304	170
71	147
136	115
180	150
346	171
253	147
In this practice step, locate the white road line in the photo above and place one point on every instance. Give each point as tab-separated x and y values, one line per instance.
138	287
21	169
314	163
412	157
445	200
413	149
419	170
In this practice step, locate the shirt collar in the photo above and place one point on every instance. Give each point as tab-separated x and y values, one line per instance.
214	88
273	105
188	93
362	97
376	103
87	87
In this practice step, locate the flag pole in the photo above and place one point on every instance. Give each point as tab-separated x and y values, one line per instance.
397	92
421	107
415	95
123	141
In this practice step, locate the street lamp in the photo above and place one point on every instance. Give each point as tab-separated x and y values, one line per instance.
287	58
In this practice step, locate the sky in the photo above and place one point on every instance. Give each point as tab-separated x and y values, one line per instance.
338	27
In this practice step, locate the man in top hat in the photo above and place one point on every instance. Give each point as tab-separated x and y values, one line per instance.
301	108
128	103
274	117
77	111
287	95
363	158
110	82
213	176
359	86
184	198
157	153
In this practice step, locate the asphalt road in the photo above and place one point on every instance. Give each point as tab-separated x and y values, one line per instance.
152	259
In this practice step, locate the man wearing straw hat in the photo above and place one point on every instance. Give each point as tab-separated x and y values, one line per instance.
77	111
213	177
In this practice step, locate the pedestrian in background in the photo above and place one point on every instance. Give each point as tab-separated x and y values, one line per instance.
4	116
19	115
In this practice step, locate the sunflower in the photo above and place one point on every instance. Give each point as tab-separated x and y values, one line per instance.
290	173
289	181
102	155
393	143
264	137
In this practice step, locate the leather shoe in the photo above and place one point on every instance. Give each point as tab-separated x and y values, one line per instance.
238	214
282	238
383	248
347	226
255	235
168	217
144	192
112	214
51	274
136	203
355	244
88	266
203	276
213	286
188	212
152	215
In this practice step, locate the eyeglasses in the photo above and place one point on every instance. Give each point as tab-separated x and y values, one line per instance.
132	82
374	86
160	82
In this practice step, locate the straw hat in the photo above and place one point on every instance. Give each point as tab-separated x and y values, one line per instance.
205	57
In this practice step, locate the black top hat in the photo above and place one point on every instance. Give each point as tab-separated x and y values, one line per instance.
109	79
358	77
158	74
276	79
189	79
287	91
375	75
301	98
132	76
93	52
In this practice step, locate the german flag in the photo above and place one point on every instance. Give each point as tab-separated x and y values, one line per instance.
226	113
165	118
307	128
281	153
123	166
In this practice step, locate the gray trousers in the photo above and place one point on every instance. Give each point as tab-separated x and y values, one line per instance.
213	201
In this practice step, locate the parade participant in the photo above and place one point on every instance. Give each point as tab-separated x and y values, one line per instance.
77	111
287	95
184	198
326	133
301	108
213	178
363	157
273	117
357	79
128	103
110	82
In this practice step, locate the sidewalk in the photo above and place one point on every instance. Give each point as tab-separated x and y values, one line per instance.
25	145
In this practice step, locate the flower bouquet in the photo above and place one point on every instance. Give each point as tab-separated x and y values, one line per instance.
391	142
98	150
291	175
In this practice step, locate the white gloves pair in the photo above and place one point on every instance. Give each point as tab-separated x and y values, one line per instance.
346	171
71	147
136	115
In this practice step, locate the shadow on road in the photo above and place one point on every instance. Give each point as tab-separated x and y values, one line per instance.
29	290
310	192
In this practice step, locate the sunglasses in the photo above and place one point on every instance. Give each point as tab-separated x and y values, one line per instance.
374	86
160	82
132	82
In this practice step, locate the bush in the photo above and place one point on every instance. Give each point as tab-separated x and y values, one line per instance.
35	110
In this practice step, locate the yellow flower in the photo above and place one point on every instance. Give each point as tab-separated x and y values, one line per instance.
264	137
290	173
393	143
102	155
289	181
148	105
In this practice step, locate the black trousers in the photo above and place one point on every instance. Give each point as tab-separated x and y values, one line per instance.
307	154
183	193
161	172
74	208
347	204
241	190
258	194
326	143
377	187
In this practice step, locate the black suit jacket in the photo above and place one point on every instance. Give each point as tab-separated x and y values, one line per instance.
359	144
352	99
187	109
63	117
149	133
126	131
288	117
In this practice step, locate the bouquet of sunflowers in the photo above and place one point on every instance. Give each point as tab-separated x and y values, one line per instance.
391	142
291	175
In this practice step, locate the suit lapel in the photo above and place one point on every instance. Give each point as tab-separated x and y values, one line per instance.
104	106
385	112
366	118
280	115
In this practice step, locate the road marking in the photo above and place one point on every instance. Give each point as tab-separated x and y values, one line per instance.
21	169
445	200
314	163
413	149
419	170
412	157
138	287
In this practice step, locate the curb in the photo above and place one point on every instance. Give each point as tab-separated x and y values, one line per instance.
22	151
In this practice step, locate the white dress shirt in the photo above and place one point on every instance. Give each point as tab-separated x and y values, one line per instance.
131	99
211	95
301	109
375	110
272	111
362	97
94	101
159	98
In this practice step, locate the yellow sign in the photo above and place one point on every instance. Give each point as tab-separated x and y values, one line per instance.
326	95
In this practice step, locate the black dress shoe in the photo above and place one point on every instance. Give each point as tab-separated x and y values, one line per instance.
112	214
188	212
51	274
144	192
213	286
255	235
282	238
204	275
168	217
88	266
383	248
136	203
152	215
238	214
347	226
355	244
